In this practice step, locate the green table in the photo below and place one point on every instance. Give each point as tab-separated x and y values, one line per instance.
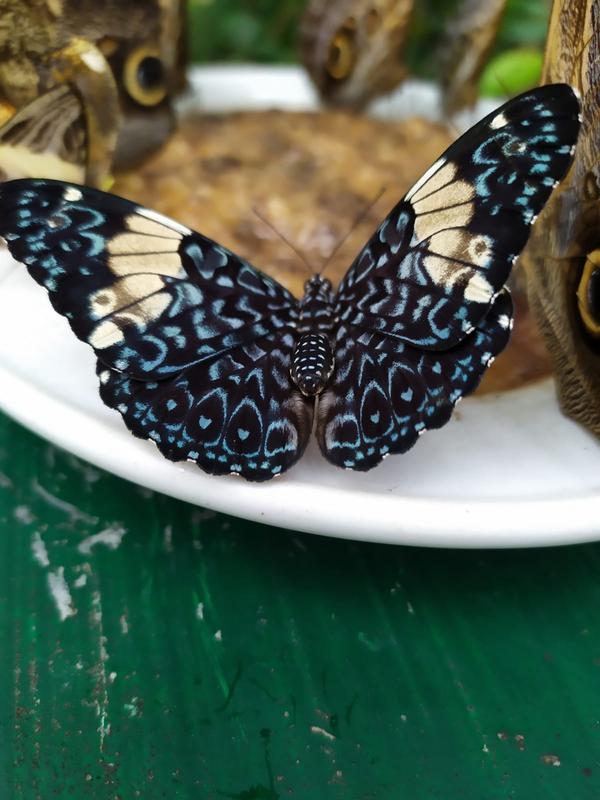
152	649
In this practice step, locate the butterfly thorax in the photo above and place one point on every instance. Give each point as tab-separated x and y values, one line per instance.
312	361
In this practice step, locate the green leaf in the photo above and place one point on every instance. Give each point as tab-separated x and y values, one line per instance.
511	72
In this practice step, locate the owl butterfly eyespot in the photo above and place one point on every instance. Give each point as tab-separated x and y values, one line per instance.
342	54
218	364
588	294
353	49
144	76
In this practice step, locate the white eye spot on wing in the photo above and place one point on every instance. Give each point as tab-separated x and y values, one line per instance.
72	194
499	121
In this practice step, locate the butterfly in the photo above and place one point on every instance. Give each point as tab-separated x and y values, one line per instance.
85	87
219	364
563	264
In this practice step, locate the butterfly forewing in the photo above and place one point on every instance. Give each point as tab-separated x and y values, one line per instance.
149	295
431	270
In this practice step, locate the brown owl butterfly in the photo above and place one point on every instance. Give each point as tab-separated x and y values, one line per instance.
562	261
86	85
468	42
354	49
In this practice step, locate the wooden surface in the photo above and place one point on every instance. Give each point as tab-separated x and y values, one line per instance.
152	649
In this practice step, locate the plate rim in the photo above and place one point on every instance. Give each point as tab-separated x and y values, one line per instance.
475	524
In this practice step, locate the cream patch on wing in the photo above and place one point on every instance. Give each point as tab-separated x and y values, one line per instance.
438	175
446	272
462	246
161	264
432	222
450	195
105	334
136	243
134	300
149	245
478	289
448	247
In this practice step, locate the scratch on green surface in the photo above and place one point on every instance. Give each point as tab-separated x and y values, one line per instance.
71	510
111	537
101	697
232	687
38	548
263	689
349	710
61	594
371	644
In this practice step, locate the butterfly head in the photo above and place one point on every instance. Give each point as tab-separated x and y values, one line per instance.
317	283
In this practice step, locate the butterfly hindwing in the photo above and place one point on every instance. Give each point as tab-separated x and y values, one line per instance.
149	295
388	392
237	414
45	137
431	270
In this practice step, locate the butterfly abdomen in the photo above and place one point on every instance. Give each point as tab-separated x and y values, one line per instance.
312	363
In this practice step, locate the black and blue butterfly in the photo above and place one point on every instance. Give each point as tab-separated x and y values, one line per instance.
219	364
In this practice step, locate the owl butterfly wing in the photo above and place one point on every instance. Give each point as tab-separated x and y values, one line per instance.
430	272
385	392
45	138
194	344
465	50
148	294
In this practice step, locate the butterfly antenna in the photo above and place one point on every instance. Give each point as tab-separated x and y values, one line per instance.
361	216
284	238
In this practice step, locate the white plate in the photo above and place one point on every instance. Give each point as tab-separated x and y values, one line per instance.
508	470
